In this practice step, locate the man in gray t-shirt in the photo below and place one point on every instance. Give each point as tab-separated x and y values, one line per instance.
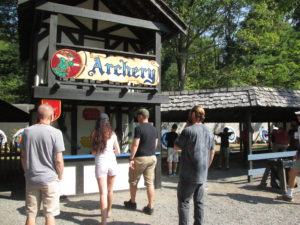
196	142
42	146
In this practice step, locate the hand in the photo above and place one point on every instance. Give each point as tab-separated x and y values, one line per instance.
131	164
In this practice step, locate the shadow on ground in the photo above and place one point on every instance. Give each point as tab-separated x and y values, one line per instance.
81	204
13	193
126	223
250	199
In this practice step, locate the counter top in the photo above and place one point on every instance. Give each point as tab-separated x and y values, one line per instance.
120	156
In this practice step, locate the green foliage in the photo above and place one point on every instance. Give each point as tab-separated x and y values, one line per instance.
268	48
8	20
13	85
244	42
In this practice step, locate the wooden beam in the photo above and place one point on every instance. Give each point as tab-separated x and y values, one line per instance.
99	96
95	22
106	51
80	25
158	57
43	35
52	47
72	38
163	11
91	33
249	142
116	44
157	124
109	17
74	130
135	47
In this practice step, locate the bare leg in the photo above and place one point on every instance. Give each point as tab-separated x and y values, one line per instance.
133	189
102	184
110	196
175	166
50	220
292	178
169	167
30	221
151	195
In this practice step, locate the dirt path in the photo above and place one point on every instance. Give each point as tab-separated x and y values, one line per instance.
229	200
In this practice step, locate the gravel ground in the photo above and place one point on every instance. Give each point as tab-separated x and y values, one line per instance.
229	200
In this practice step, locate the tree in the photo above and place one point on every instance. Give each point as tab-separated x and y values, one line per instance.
269	48
13	87
245	42
200	16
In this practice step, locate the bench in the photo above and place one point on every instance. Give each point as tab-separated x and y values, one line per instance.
278	159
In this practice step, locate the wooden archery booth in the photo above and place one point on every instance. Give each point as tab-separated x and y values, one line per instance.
96	56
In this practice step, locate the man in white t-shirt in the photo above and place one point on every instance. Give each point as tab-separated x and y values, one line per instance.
288	196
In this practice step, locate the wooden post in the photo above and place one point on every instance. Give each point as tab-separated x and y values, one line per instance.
269	133
158	57
52	47
157	113
119	122
74	130
157	124
249	142
241	142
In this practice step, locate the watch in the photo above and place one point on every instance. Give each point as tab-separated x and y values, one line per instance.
130	159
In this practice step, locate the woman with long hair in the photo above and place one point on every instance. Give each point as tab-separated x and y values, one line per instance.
105	147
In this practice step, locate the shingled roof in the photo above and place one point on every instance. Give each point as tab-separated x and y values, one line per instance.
233	101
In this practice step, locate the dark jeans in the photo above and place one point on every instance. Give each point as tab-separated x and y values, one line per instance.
185	191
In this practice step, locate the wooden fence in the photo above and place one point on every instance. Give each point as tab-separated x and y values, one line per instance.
11	172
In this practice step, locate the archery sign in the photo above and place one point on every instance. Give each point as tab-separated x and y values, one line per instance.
67	63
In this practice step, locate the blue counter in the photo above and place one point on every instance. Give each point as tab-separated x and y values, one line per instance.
123	155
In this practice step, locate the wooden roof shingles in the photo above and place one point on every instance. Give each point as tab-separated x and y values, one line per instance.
239	97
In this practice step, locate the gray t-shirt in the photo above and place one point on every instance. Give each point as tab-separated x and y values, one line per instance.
41	143
196	142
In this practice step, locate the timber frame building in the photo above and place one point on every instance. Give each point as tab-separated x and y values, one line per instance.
59	38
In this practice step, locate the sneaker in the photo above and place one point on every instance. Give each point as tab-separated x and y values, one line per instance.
287	198
170	174
174	174
148	210
130	205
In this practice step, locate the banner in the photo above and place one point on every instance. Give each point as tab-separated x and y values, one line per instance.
56	105
67	63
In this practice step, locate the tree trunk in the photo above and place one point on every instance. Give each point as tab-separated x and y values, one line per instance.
182	61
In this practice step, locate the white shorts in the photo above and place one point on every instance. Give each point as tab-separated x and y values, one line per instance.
172	155
105	168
